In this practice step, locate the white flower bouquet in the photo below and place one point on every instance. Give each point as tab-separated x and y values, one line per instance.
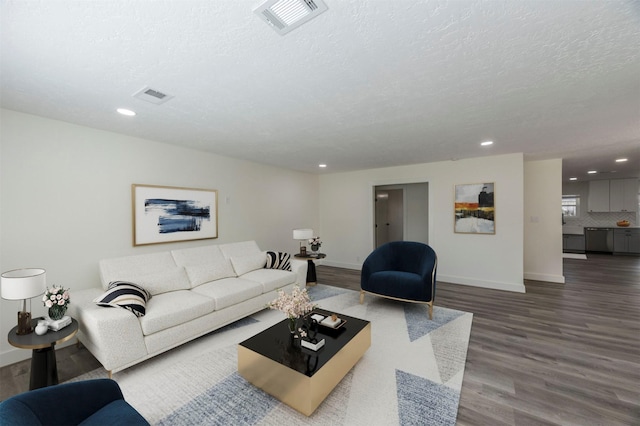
57	299
56	296
315	241
293	305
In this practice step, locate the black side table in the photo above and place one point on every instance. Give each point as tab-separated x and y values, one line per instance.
311	267
44	371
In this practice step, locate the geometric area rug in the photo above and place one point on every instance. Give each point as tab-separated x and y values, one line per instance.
411	375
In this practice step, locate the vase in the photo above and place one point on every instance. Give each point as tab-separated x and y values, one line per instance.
41	328
315	247
56	312
292	325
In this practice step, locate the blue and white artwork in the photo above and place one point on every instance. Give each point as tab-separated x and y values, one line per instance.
165	214
178	215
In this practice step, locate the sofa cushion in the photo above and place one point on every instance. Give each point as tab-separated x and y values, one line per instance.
278	260
244	264
200	274
173	308
229	291
197	255
128	268
271	279
125	295
162	282
243	248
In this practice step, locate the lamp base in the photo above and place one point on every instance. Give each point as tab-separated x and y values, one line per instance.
24	323
303	251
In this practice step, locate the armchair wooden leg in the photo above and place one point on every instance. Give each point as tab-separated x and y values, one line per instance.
431	311
361	297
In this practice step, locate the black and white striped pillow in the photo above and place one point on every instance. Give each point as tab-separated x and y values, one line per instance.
277	260
125	295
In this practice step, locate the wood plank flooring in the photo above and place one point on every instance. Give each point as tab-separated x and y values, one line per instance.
560	354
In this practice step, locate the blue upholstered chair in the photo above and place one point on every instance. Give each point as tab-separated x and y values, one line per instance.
401	270
90	402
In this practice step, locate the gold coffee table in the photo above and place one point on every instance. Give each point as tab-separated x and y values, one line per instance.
301	378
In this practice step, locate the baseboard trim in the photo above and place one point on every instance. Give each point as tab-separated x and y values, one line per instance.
544	277
355	266
495	285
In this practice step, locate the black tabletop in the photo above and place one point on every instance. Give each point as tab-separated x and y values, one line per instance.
33	341
311	256
278	344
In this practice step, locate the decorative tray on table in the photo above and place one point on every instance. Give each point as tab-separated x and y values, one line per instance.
329	323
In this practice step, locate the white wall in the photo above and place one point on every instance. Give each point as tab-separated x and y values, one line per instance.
66	201
492	261
543	221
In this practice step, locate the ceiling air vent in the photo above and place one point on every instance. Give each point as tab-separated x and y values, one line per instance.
286	15
152	95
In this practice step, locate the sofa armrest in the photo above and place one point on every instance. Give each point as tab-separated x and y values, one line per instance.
113	335
299	267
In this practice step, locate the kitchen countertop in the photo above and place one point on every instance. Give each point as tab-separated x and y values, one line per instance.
612	227
579	230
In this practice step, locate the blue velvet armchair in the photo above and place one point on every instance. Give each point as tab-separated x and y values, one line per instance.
401	270
90	402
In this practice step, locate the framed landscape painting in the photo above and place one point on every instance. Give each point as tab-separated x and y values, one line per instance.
164	214
474	209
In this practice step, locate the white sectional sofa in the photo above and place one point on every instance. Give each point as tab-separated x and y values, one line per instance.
193	292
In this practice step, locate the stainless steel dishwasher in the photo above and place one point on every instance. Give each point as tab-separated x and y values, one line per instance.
599	239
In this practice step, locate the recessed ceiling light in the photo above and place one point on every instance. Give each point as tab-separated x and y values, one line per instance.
486	143
621	160
592	172
126	112
322	166
573	178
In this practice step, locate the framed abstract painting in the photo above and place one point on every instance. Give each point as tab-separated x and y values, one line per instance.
474	209
164	214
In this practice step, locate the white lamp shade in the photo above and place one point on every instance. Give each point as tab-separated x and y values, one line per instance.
23	283
302	234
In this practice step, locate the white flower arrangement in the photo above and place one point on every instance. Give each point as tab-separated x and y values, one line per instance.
293	305
315	241
56	296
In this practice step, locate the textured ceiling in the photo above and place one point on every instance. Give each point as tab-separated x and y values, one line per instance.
366	84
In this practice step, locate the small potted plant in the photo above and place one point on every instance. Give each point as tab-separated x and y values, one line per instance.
315	243
57	299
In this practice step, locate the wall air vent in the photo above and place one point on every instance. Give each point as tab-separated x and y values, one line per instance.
286	15
152	95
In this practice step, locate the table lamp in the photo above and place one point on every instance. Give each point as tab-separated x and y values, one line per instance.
23	284
302	234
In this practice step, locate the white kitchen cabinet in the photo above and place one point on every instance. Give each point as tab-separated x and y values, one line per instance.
598	200
623	195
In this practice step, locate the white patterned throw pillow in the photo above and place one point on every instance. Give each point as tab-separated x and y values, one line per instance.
123	294
278	260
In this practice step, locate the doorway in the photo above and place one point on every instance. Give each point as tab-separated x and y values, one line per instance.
401	212
389	215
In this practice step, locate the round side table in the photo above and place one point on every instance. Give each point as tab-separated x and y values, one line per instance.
311	267
44	371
